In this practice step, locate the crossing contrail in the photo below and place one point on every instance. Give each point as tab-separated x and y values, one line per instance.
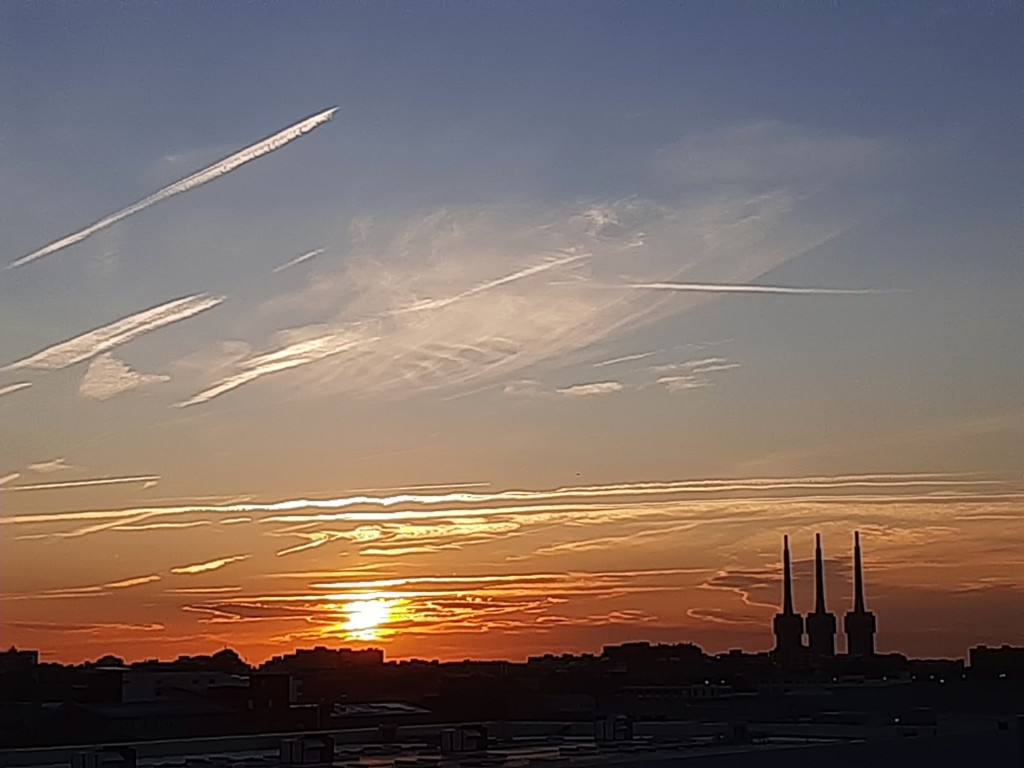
211	172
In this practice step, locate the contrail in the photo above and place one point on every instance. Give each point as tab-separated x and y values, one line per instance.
197	179
84	483
14	387
543	266
298	260
132	582
624	359
732	288
119	332
212	565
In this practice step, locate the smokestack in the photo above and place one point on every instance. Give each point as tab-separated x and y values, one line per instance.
858	576
819	577
821	625
788	625
859	623
787	579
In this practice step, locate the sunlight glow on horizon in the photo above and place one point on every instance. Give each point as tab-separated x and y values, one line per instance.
366	620
639	280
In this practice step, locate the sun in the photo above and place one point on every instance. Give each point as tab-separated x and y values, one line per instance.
364	618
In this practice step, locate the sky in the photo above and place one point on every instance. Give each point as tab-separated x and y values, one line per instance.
484	330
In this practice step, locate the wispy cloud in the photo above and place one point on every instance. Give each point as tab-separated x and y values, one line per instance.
298	260
51	466
291	356
535	269
422	525
700	366
86	482
692	374
91	590
9	478
524	388
107	376
210	565
684	383
467	504
750	288
14	387
413	537
211	172
616	541
456	298
135	582
427	487
594	388
169	525
356	336
91	628
102	339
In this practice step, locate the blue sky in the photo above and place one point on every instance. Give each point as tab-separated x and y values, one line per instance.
492	214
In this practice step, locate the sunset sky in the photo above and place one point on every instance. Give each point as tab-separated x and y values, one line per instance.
491	329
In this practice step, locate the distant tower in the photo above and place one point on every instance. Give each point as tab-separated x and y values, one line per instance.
821	625
787	625
859	623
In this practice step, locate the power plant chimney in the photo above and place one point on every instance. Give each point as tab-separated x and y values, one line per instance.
859	623
821	625
787	625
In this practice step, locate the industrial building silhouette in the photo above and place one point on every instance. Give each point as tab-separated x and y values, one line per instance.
820	625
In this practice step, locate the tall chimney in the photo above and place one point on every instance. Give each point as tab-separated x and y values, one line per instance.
819	577
821	625
858	576
859	623
788	625
787	579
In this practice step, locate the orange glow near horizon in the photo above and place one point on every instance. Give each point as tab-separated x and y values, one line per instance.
365	620
489	581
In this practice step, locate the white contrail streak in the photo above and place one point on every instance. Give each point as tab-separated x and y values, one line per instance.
300	353
212	565
197	179
83	483
624	359
536	269
120	331
732	288
298	260
14	387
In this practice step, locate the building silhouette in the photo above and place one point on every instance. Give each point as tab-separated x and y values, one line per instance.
788	625
860	622
821	625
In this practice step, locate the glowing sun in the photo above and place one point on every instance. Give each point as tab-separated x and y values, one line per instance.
364	618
